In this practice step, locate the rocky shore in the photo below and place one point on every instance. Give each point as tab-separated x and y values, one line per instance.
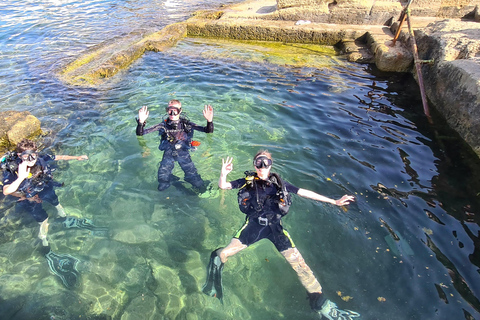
447	34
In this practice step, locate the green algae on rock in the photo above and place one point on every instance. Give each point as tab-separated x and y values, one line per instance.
278	53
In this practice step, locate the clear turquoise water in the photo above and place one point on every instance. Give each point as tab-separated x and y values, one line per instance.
326	134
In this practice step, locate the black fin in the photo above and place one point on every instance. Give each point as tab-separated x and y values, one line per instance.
64	266
213	285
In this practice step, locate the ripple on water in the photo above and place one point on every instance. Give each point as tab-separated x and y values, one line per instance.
333	127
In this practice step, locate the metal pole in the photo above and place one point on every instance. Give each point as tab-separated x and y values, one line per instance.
402	20
418	68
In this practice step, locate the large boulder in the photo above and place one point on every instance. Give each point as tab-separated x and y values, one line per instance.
15	126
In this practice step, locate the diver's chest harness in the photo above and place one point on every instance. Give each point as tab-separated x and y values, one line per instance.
33	185
265	207
173	132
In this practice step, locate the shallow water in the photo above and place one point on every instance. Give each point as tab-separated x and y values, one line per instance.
407	249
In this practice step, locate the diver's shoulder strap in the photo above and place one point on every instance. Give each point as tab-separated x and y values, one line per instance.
9	162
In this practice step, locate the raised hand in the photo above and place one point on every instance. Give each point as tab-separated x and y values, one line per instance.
208	113
23	171
143	114
227	165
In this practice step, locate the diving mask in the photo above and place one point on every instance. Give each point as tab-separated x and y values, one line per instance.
173	111
262	162
29	155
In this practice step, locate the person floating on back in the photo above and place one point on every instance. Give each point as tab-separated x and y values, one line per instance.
176	133
265	198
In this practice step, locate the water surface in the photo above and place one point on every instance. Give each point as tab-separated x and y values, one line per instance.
407	249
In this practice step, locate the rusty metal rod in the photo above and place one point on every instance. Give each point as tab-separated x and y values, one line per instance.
418	67
403	16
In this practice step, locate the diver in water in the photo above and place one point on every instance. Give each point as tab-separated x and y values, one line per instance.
265	199
176	133
28	176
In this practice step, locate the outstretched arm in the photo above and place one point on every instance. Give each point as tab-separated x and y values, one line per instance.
345	200
65	157
227	167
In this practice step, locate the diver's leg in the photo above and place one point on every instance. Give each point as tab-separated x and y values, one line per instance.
48	194
248	234
165	170
53	199
213	284
233	248
191	174
40	215
305	274
60	211
318	302
42	234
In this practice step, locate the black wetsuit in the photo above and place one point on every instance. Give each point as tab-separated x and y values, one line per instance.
176	139
42	185
264	216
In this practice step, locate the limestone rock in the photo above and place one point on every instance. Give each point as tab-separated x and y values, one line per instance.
443	8
107	59
452	82
282	4
392	58
449	40
370	11
15	126
339	11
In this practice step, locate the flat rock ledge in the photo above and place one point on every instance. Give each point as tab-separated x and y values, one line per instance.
452	82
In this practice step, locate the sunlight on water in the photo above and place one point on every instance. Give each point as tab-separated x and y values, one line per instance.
402	251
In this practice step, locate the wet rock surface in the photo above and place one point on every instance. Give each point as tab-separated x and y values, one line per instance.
452	82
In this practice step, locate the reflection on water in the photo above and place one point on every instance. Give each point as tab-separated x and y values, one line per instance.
407	249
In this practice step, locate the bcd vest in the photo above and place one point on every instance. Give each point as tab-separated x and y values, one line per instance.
176	132
255	203
31	187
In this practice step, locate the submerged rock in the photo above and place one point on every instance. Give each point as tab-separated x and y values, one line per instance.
107	59
15	126
138	234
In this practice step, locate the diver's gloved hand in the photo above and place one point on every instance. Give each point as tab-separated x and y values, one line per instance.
328	309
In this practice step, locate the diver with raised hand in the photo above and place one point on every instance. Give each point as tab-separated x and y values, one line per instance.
265	198
28	176
176	132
